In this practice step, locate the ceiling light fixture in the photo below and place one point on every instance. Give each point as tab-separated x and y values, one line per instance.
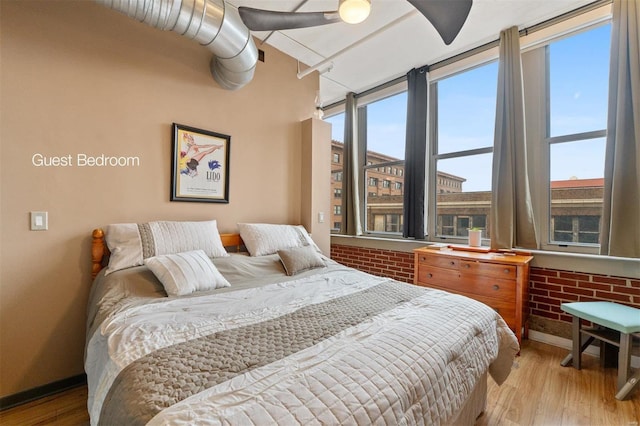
354	11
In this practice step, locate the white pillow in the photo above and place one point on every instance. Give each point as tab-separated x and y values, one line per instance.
125	245
185	273
263	238
131	243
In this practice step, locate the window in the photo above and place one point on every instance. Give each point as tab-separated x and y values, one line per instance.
393	223
337	192
337	210
387	222
385	141
337	176
576	119
336	157
579	82
576	229
445	225
463	158
565	86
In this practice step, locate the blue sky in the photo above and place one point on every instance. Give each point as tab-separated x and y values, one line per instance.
578	86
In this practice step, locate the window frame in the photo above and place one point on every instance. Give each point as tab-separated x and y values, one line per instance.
385	167
540	159
433	156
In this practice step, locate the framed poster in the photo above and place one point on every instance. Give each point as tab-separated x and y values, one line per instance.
199	165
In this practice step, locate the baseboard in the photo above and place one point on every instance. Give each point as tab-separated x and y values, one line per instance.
561	342
19	398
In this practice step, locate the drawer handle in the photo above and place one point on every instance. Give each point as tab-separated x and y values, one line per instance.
429	275
423	259
496	287
506	271
466	265
452	263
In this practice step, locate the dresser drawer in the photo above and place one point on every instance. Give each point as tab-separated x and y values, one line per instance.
489	269
439	261
487	286
431	276
506	309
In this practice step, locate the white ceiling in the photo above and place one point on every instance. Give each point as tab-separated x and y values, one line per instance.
379	49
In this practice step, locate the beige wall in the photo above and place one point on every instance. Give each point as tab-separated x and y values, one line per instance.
316	181
79	78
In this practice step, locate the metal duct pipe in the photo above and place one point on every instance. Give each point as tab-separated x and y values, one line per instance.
211	23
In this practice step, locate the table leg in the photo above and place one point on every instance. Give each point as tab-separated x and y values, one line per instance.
624	359
628	387
577	342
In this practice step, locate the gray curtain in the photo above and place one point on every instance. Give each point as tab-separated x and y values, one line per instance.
351	224
415	155
620	230
511	219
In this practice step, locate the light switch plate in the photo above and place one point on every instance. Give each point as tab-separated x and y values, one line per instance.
39	221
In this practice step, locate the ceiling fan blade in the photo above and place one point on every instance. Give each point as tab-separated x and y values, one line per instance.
267	20
447	16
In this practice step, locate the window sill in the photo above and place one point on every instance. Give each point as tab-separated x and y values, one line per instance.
575	262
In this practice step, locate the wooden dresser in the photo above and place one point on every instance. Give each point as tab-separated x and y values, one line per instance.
498	280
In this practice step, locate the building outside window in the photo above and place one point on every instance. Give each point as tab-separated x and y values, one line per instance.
336	158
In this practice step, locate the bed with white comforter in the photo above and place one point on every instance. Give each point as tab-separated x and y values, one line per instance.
331	345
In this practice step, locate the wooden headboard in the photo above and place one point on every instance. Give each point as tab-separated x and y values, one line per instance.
100	251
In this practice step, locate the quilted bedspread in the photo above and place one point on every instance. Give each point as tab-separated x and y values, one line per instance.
335	346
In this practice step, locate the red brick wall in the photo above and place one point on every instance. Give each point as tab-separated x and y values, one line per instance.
548	288
383	263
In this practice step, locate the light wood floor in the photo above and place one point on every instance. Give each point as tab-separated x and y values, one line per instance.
541	392
538	392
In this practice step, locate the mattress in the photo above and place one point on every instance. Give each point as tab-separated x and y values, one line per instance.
332	345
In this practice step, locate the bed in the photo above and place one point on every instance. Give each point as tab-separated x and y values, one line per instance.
286	336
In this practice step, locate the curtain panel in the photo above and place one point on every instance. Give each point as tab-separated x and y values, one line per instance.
415	155
620	228
351	224
511	218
